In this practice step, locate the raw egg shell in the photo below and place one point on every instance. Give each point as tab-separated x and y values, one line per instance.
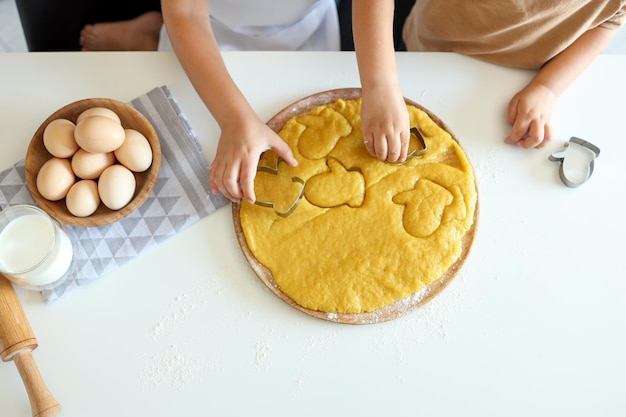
54	179
98	111
99	134
58	138
135	153
83	199
89	166
116	186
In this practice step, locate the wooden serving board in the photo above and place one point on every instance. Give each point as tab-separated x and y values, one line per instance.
391	311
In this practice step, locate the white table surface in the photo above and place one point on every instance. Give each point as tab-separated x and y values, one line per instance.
532	325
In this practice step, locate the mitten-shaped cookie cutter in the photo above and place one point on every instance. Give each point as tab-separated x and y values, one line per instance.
270	204
559	156
416	152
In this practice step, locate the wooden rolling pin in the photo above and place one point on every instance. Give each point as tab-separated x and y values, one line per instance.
17	342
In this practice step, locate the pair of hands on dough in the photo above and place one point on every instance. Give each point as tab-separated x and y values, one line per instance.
241	145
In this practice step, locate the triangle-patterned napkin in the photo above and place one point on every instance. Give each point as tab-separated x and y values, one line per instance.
181	196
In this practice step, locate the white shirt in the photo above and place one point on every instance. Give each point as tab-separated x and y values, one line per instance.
276	25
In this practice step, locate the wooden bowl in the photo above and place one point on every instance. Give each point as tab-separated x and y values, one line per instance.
37	155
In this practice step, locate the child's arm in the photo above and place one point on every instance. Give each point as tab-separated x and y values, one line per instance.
384	117
244	136
530	110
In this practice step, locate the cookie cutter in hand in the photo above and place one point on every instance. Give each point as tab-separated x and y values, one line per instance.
559	156
270	204
416	152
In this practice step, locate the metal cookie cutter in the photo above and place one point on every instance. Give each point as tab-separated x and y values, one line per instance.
559	156
270	204
416	152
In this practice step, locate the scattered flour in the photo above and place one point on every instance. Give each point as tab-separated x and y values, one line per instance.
175	365
263	359
181	361
171	367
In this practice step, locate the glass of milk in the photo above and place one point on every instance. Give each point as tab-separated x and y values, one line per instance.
34	250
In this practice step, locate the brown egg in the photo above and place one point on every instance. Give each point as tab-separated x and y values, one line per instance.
116	186
89	166
83	199
98	111
135	153
54	179
99	134
58	138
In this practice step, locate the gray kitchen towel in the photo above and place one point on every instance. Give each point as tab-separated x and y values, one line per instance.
181	196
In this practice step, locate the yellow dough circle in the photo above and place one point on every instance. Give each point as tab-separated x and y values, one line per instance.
366	236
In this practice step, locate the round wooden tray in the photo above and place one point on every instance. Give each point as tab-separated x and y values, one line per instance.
37	155
391	311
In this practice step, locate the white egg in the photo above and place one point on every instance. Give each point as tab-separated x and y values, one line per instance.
82	199
98	111
135	153
89	166
54	179
99	134
116	186
58	138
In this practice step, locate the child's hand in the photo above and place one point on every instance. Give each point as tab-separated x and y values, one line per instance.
237	158
385	124
530	114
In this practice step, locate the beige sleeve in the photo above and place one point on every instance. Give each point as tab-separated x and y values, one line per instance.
617	21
